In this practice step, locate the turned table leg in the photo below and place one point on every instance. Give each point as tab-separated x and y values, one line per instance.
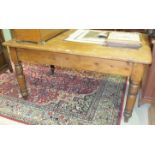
131	99
135	81
21	80
52	68
19	73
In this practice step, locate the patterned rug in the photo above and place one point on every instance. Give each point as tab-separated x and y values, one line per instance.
68	97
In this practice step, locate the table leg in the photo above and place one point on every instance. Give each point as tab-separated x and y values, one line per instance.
19	73
21	80
52	68
135	81
131	99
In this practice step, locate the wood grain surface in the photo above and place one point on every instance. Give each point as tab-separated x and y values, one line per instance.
58	44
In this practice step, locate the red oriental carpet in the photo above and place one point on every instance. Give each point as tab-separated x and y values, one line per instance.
68	97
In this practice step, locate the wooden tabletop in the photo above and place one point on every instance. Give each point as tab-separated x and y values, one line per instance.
58	44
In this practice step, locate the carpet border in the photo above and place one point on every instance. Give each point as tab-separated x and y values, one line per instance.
19	121
122	103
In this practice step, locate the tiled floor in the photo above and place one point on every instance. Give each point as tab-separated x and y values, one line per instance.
139	116
4	121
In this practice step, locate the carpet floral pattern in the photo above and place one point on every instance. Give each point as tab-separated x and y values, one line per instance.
67	97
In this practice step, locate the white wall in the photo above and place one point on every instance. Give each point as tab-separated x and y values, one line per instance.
7	34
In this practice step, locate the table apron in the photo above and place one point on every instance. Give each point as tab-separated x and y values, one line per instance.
75	61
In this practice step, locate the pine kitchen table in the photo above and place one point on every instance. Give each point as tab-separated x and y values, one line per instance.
85	56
